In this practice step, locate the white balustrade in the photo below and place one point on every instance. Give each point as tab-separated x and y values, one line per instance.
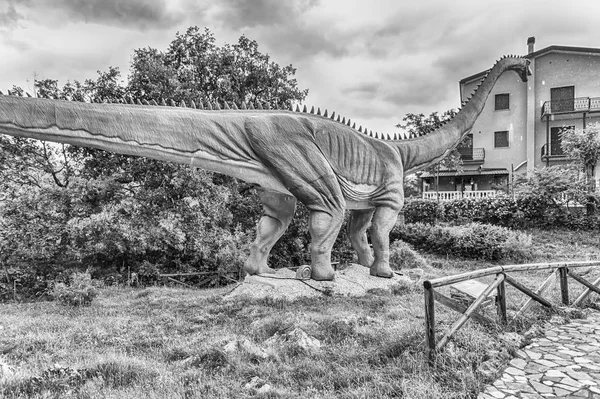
453	195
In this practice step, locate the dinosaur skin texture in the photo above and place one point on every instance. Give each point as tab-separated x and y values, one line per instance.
326	164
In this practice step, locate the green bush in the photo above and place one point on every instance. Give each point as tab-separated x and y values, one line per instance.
473	241
81	290
522	212
402	256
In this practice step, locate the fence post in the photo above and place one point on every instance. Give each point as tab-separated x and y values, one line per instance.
429	320
501	302
563	273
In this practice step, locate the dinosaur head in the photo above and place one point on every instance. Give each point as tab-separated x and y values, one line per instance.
521	66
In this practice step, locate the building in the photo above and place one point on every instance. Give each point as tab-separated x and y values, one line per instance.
519	127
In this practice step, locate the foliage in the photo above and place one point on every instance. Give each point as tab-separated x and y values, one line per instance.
195	68
547	183
471	241
519	213
549	198
402	256
583	145
80	291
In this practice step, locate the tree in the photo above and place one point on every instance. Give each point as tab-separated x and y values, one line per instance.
583	145
195	68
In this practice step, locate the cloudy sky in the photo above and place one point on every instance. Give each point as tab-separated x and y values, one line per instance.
370	60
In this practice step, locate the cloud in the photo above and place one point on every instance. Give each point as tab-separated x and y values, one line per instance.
130	14
251	13
291	27
9	18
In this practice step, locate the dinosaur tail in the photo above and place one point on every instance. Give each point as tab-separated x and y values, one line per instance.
125	129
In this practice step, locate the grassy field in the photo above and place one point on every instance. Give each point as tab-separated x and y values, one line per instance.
162	342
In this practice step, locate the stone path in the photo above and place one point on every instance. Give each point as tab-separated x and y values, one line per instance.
563	364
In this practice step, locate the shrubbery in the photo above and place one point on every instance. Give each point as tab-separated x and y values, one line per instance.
473	240
80	291
520	213
402	256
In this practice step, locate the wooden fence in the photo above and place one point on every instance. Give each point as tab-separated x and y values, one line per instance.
564	270
216	278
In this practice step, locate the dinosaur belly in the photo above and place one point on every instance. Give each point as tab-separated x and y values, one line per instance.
358	196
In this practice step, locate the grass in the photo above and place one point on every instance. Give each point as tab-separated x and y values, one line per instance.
162	342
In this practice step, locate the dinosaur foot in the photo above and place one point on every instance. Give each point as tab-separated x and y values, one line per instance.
384	272
263	269
323	273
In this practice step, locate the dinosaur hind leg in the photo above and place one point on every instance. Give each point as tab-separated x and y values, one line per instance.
278	213
324	229
358	224
383	222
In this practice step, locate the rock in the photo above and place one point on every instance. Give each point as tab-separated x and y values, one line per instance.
246	346
298	338
414	274
255	383
6	370
512	339
264	389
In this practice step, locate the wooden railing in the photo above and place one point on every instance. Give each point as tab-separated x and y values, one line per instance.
453	195
564	270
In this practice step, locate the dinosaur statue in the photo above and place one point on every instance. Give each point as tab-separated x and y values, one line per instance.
327	164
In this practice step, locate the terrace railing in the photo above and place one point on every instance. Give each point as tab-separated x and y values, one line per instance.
579	104
503	275
453	195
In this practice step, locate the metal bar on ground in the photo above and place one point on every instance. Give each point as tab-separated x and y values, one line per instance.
185	274
585	294
430	320
463	319
563	273
179	282
541	289
460	308
527	291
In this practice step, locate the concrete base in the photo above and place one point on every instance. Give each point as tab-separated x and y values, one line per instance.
351	281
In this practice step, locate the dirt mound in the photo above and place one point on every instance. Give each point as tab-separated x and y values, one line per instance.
354	280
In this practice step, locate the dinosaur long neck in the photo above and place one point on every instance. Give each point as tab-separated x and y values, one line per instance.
424	151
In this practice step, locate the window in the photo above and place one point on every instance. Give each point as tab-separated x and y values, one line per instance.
562	99
502	101
556	139
501	139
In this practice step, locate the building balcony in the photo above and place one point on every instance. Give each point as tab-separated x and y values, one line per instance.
472	156
556	154
454	195
574	105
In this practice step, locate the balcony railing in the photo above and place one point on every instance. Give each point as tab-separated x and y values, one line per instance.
453	195
472	155
579	104
556	152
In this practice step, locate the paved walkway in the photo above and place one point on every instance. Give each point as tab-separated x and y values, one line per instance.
563	364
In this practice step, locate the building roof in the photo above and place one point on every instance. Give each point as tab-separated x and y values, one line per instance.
535	54
476	172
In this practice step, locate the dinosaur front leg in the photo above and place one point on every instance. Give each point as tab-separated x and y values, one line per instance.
383	222
358	223
278	213
324	229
